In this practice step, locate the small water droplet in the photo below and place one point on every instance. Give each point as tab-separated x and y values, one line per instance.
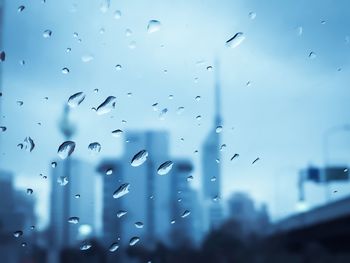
139	158
172	222
68	49
53	164
2	56
109	171
236	40
185	213
19	103
32	227
252	15
236	155
29	191
189	178
213	179
113	247
18	233
94	147
87	58
20	8
210	68
77	196
28	144
180	110
197	98
133	241
312	55
163	113
117	14
257	159
62	180
218	129
22	62
85	246
299	30
65	71
24	244
104	6
153	26
154	106
128	32
198	118
75	100
121	213
66	149
132	45
47	33
165	168
3	128
121	191
222	147
73	220
118	67
139	225
117	133
96	90
323	22
107	105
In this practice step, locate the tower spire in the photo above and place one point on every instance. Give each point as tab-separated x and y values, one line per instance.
218	120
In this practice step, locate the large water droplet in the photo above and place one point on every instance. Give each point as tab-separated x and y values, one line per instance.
153	26
29	191
218	129
18	233
21	8
73	220
133	241
139	158
28	144
165	168
121	213
66	149
107	105
47	33
109	171
236	40
113	247
117	133
75	100
121	191
3	128
185	214
139	225
94	147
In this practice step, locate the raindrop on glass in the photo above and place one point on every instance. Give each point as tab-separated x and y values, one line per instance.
121	213
252	15
236	40
133	241
257	159
163	113
21	8
2	56
117	133
197	98
113	247
117	14
180	110
189	178
53	164
165	168
75	100
28	144
218	129
3	128
118	67
236	155
62	180
18	233
85	246
66	149
139	158
19	103
94	147
77	196
106	106
73	220
312	55
185	214
139	225
121	191
198	118
29	191
128	32
87	58
65	71
153	26
47	33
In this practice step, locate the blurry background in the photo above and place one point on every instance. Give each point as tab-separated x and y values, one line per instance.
256	128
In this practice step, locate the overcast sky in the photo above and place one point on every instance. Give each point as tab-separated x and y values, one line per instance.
281	117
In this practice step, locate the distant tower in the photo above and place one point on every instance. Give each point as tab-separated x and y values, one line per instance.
211	171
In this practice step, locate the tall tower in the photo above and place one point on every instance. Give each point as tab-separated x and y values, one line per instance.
211	171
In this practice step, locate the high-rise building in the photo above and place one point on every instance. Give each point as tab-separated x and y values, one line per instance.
211	172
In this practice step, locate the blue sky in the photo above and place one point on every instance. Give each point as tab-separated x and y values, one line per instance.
280	117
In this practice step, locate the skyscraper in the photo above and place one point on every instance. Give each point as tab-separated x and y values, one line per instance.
211	172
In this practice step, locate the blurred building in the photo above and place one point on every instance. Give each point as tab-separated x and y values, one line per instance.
252	220
16	214
152	198
211	171
76	196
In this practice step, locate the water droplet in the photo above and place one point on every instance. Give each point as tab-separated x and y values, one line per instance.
222	147
189	178
118	67
62	180
113	247
218	129
312	55
68	49
153	26
252	15
180	110
323	22
198	118
163	113
32	227
172	222
85	246
299	30
94	147
75	100
20	8
66	149
29	191
87	58
154	106
197	98
96	90
18	233
28	144
139	158
133	241
20	145
22	62
109	171
257	159
121	213
236	40
139	225
132	45
121	191
73	220
210	68
236	155
104	6
2	56
107	105
47	33
117	133
77	196
185	214
117	14
24	244
128	32
3	128
65	71
53	164
19	103
165	168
